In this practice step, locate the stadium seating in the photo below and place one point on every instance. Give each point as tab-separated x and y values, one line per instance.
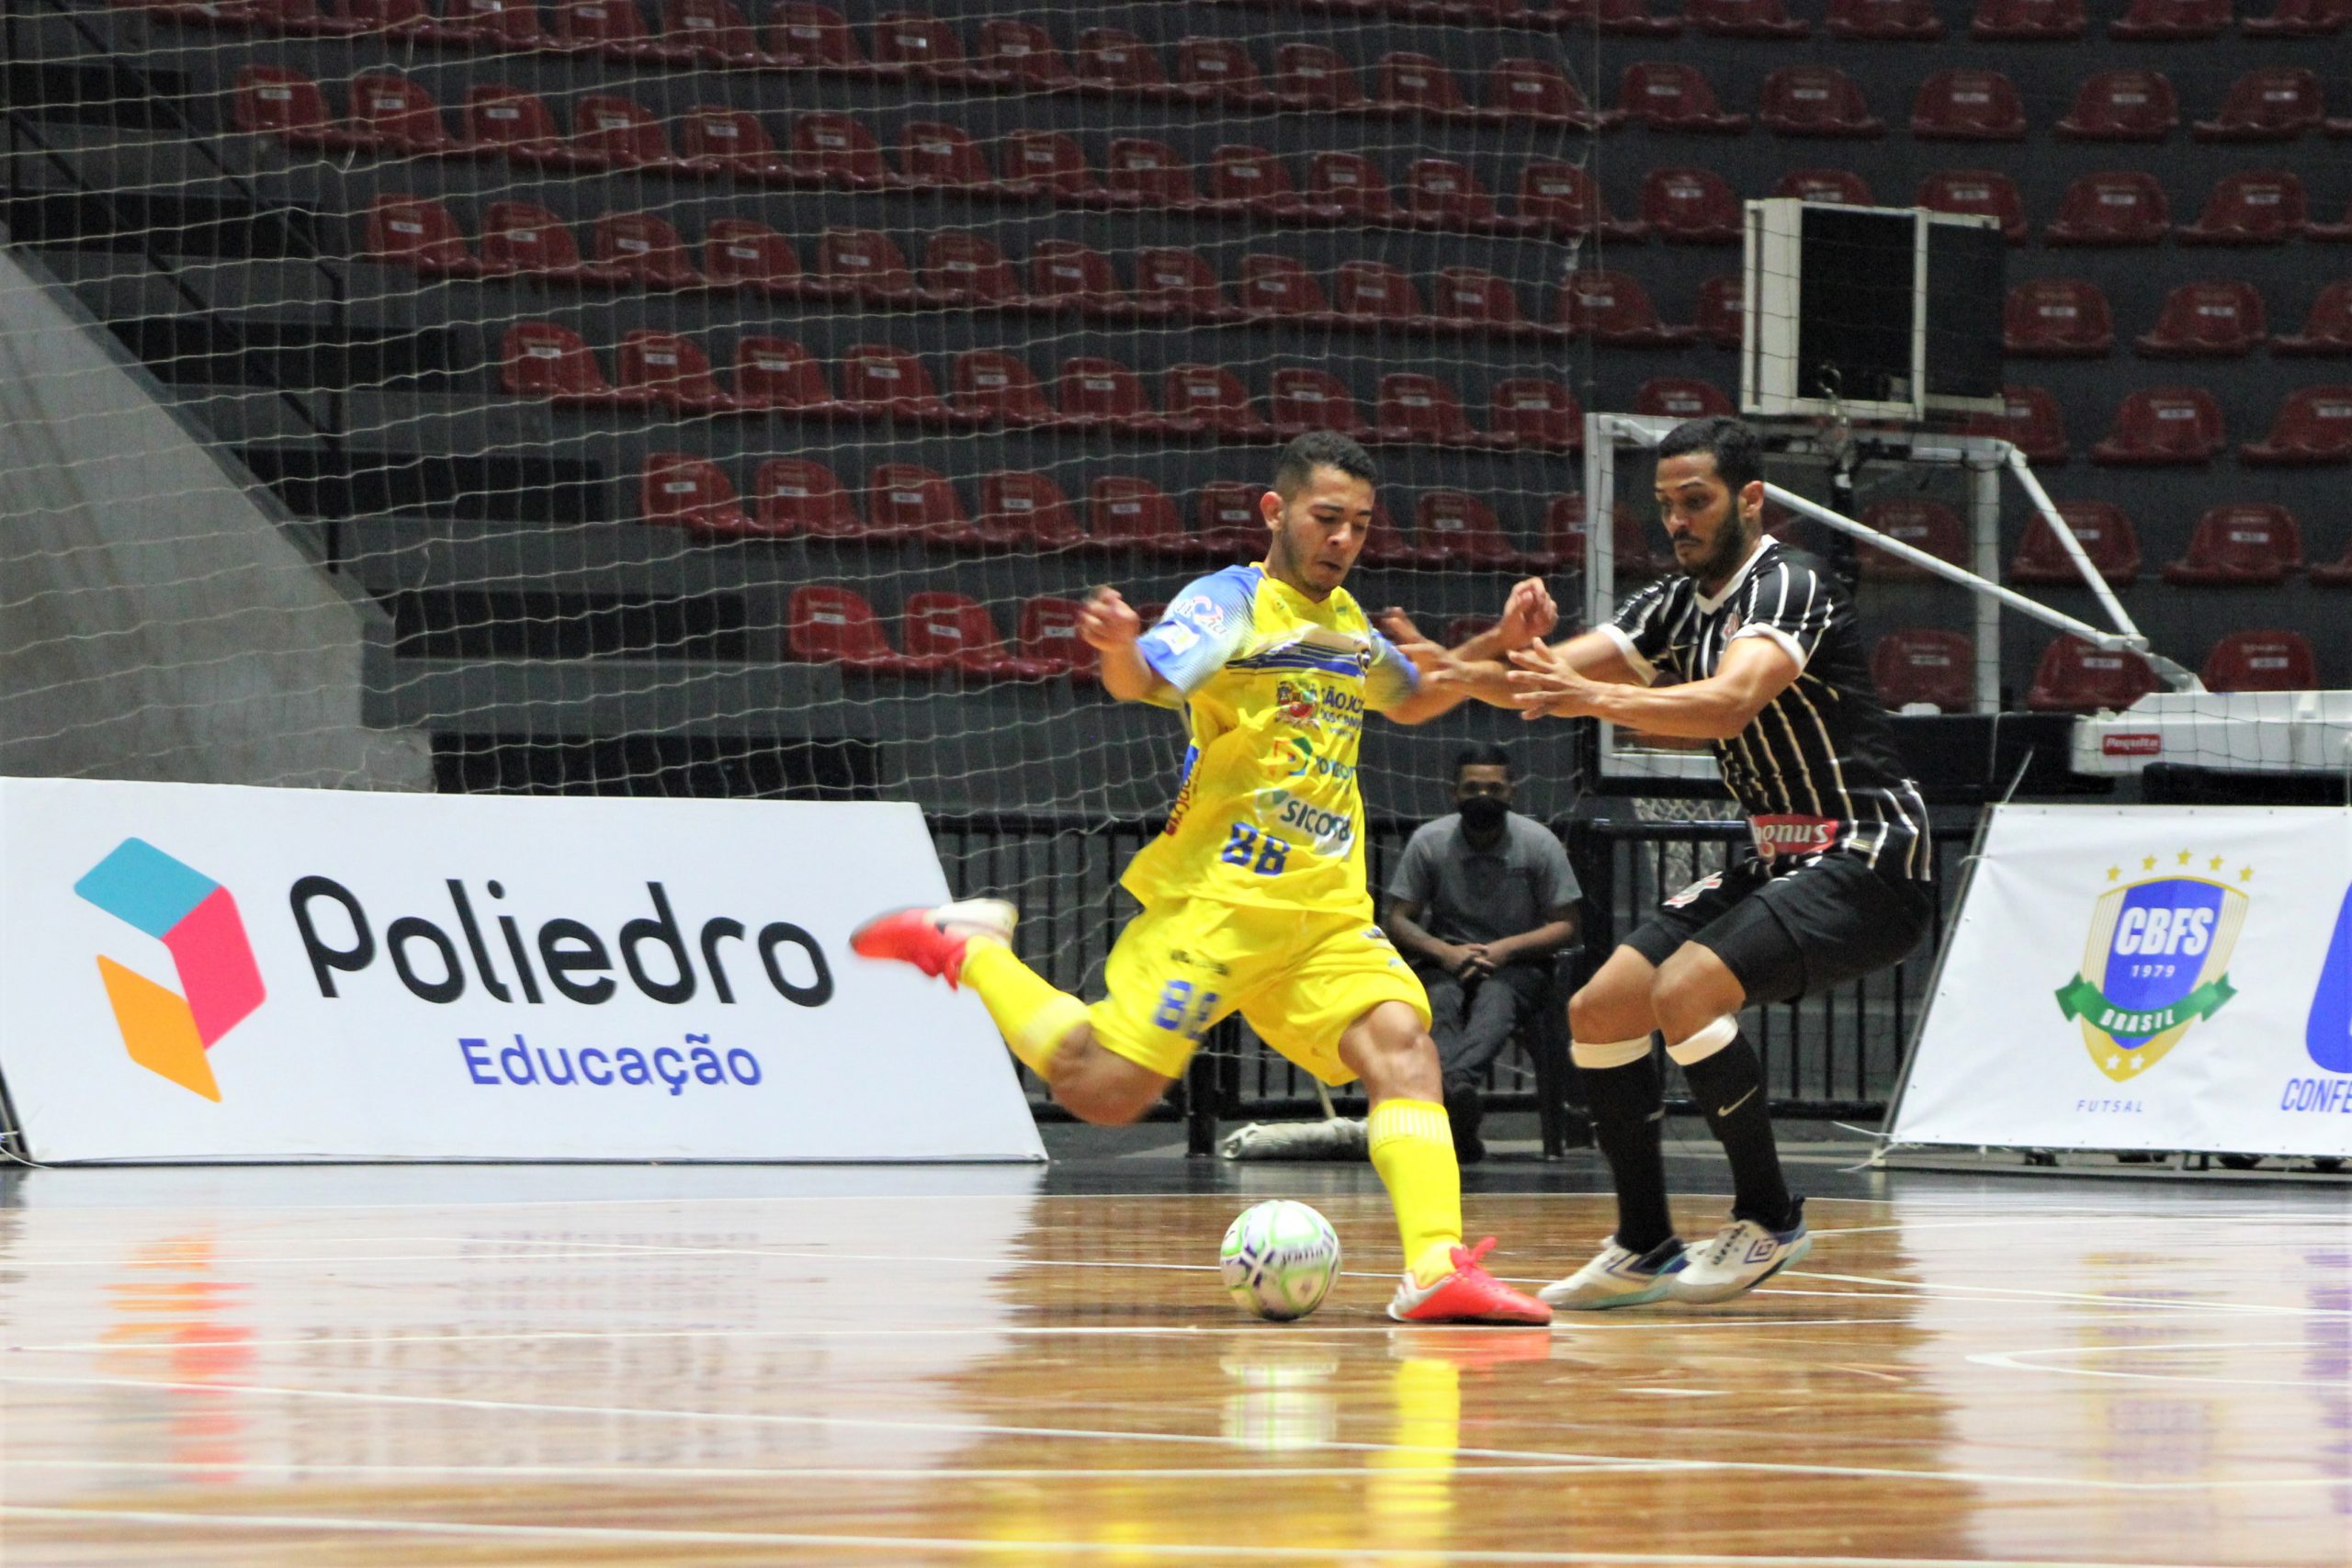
2313	425
1220	71
1884	21
1825	184
836	149
522	239
1047	165
2215	319
543	360
1174	281
910	502
2122	106
1744	18
1924	524
2264	207
2277	103
1243	178
1309	76
2161	426
2245	544
812	38
2298	19
1213	398
1674	96
958	631
643	250
1923	665
1140	172
2332	233
877	381
418	234
1539	414
1815	100
1721	306
1228	525
671	371
743	254
2057	317
1048	636
1300	400
1439	193
2031	420
1410	86
1280	288
775	374
1564	198
2099	526
1455	528
1613	308
829	625
1113	62
967	270
1096	393
1469	299
518	127
2074	677
1982	192
936	155
798	495
1414	408
1968	106
1538	93
998	388
1076	279
1680	397
677	490
2337	573
1126	513
717	142
1022	509
2124	207
1690	205
2027	21
1347	185
2173	21
2326	330
2261	661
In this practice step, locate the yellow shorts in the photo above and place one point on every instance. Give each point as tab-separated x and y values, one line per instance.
1299	978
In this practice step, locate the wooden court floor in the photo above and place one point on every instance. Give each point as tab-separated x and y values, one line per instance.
885	1366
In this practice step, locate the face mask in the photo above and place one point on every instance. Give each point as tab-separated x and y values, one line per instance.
1482	813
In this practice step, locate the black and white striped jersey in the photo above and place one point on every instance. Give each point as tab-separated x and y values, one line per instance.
1818	769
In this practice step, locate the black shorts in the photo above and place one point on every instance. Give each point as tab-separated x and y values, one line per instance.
1804	930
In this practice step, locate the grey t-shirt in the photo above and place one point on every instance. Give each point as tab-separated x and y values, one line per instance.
1473	894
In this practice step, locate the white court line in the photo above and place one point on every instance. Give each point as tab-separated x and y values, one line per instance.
2020	1292
2017	1362
1603	1463
1256	1551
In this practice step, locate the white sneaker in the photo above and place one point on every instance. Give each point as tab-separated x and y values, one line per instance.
1741	1256
1619	1278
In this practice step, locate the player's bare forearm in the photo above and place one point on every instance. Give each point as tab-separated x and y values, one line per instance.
1752	672
1595	656
1127	677
1412	941
1433	698
1544	940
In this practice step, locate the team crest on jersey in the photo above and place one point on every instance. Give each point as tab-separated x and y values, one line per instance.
1203	613
2155	963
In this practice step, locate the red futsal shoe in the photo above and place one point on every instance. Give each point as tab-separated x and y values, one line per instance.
1469	1294
933	940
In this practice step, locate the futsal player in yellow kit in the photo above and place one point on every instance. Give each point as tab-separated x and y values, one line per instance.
1254	898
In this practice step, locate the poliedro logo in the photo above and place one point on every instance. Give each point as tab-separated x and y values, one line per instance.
197	918
2155	962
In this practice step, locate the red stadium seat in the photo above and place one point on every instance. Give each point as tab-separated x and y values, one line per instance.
1374	293
2259	209
1388	542
1243	178
1302	400
644	250
716	140
1280	288
541	359
1213	398
2172	20
2122	106
1067	276
1048	164
401	21
615	133
502	25
611	27
1469	299
1024	56
2099	526
1048	636
863	265
1094	393
1115	62
1210	70
1421	409
518	126
1921	665
837	150
812	38
2057	317
1916	521
1143	173
2327	331
2074	677
1744	18
2263	661
1968	106
714	31
1536	92
907	501
418	234
1978	191
2255	544
775	374
525	239
1349	186
1564	545
1825	184
2030	419
1613	308
934	154
1177	282
677	490
1309	76
2216	319
1815	100
1691	206
2114	209
1618	18
1680	397
2027	21
1226	523
1455	528
795	495
1674	96
959	631
275	101
1416	85
836	626
2299	18
396	115
999	388
1440	193
878	381
963	268
2277	103
1133	514
2313	425
1722	310
918	45
671	371
2159	426
1026	511
1884	21
1538	414
1564	198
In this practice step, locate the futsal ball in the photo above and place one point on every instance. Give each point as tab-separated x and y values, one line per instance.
1279	1260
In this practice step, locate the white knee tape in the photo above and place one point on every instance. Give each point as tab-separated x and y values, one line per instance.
1706	1042
1609	1053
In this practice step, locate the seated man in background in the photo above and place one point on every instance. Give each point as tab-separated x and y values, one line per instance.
1479	902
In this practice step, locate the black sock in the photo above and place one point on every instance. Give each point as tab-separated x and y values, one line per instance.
1628	1111
1729	1088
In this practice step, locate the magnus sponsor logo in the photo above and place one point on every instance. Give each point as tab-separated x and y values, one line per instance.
196	918
2156	959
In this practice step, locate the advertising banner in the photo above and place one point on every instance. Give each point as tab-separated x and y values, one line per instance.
193	971
2145	977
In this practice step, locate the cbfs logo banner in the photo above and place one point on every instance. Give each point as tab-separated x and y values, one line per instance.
166	1031
2156	962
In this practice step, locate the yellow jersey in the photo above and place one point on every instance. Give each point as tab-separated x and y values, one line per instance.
1275	686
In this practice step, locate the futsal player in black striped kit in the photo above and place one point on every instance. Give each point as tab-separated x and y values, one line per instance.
1758	645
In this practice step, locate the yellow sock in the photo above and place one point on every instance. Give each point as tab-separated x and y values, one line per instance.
1034	1017
1412	1147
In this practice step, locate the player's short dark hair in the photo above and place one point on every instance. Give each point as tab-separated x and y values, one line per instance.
1484	754
1321	449
1739	457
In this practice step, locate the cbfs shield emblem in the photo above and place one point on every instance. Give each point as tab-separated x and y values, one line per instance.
2156	963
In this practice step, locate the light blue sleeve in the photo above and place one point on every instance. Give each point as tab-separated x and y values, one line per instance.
1392	677
1203	626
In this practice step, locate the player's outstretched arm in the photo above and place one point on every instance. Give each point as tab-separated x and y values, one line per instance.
1110	627
1754	669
